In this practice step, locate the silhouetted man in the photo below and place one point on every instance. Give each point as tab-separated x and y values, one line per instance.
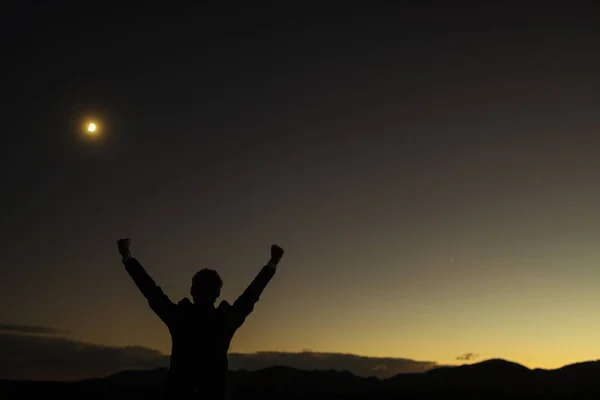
200	332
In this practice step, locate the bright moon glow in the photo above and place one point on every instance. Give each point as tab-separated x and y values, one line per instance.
92	129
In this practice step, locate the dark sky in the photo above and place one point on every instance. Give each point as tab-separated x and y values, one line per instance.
430	170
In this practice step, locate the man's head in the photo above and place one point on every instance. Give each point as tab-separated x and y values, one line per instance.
206	286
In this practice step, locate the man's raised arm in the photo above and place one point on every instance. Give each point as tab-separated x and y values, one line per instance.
159	302
244	304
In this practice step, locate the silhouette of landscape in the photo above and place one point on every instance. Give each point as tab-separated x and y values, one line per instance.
495	377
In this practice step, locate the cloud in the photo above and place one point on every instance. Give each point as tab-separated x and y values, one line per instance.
57	358
382	367
40	330
467	357
38	357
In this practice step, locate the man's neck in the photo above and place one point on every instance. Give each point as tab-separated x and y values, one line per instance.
204	305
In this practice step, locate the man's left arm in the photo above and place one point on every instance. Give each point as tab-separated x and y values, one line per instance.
244	305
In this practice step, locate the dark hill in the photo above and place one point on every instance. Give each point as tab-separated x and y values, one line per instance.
490	378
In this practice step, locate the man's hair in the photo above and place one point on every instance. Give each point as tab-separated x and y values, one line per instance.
207	278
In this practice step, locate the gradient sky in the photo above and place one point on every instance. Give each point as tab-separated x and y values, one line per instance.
432	174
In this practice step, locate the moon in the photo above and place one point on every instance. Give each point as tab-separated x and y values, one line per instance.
91	129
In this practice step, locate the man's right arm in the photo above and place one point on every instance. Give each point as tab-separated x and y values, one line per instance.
159	302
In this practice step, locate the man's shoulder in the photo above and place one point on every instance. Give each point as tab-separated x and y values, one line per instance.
224	307
184	303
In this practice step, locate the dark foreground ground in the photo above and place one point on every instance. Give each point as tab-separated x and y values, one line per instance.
492	379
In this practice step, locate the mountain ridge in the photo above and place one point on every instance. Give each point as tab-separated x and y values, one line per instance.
495	376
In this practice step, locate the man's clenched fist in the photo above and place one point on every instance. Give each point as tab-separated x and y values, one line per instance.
276	253
123	245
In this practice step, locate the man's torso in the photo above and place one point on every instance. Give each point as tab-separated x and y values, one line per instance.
200	341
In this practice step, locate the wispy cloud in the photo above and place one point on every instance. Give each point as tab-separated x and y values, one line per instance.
382	367
58	358
467	357
33	329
